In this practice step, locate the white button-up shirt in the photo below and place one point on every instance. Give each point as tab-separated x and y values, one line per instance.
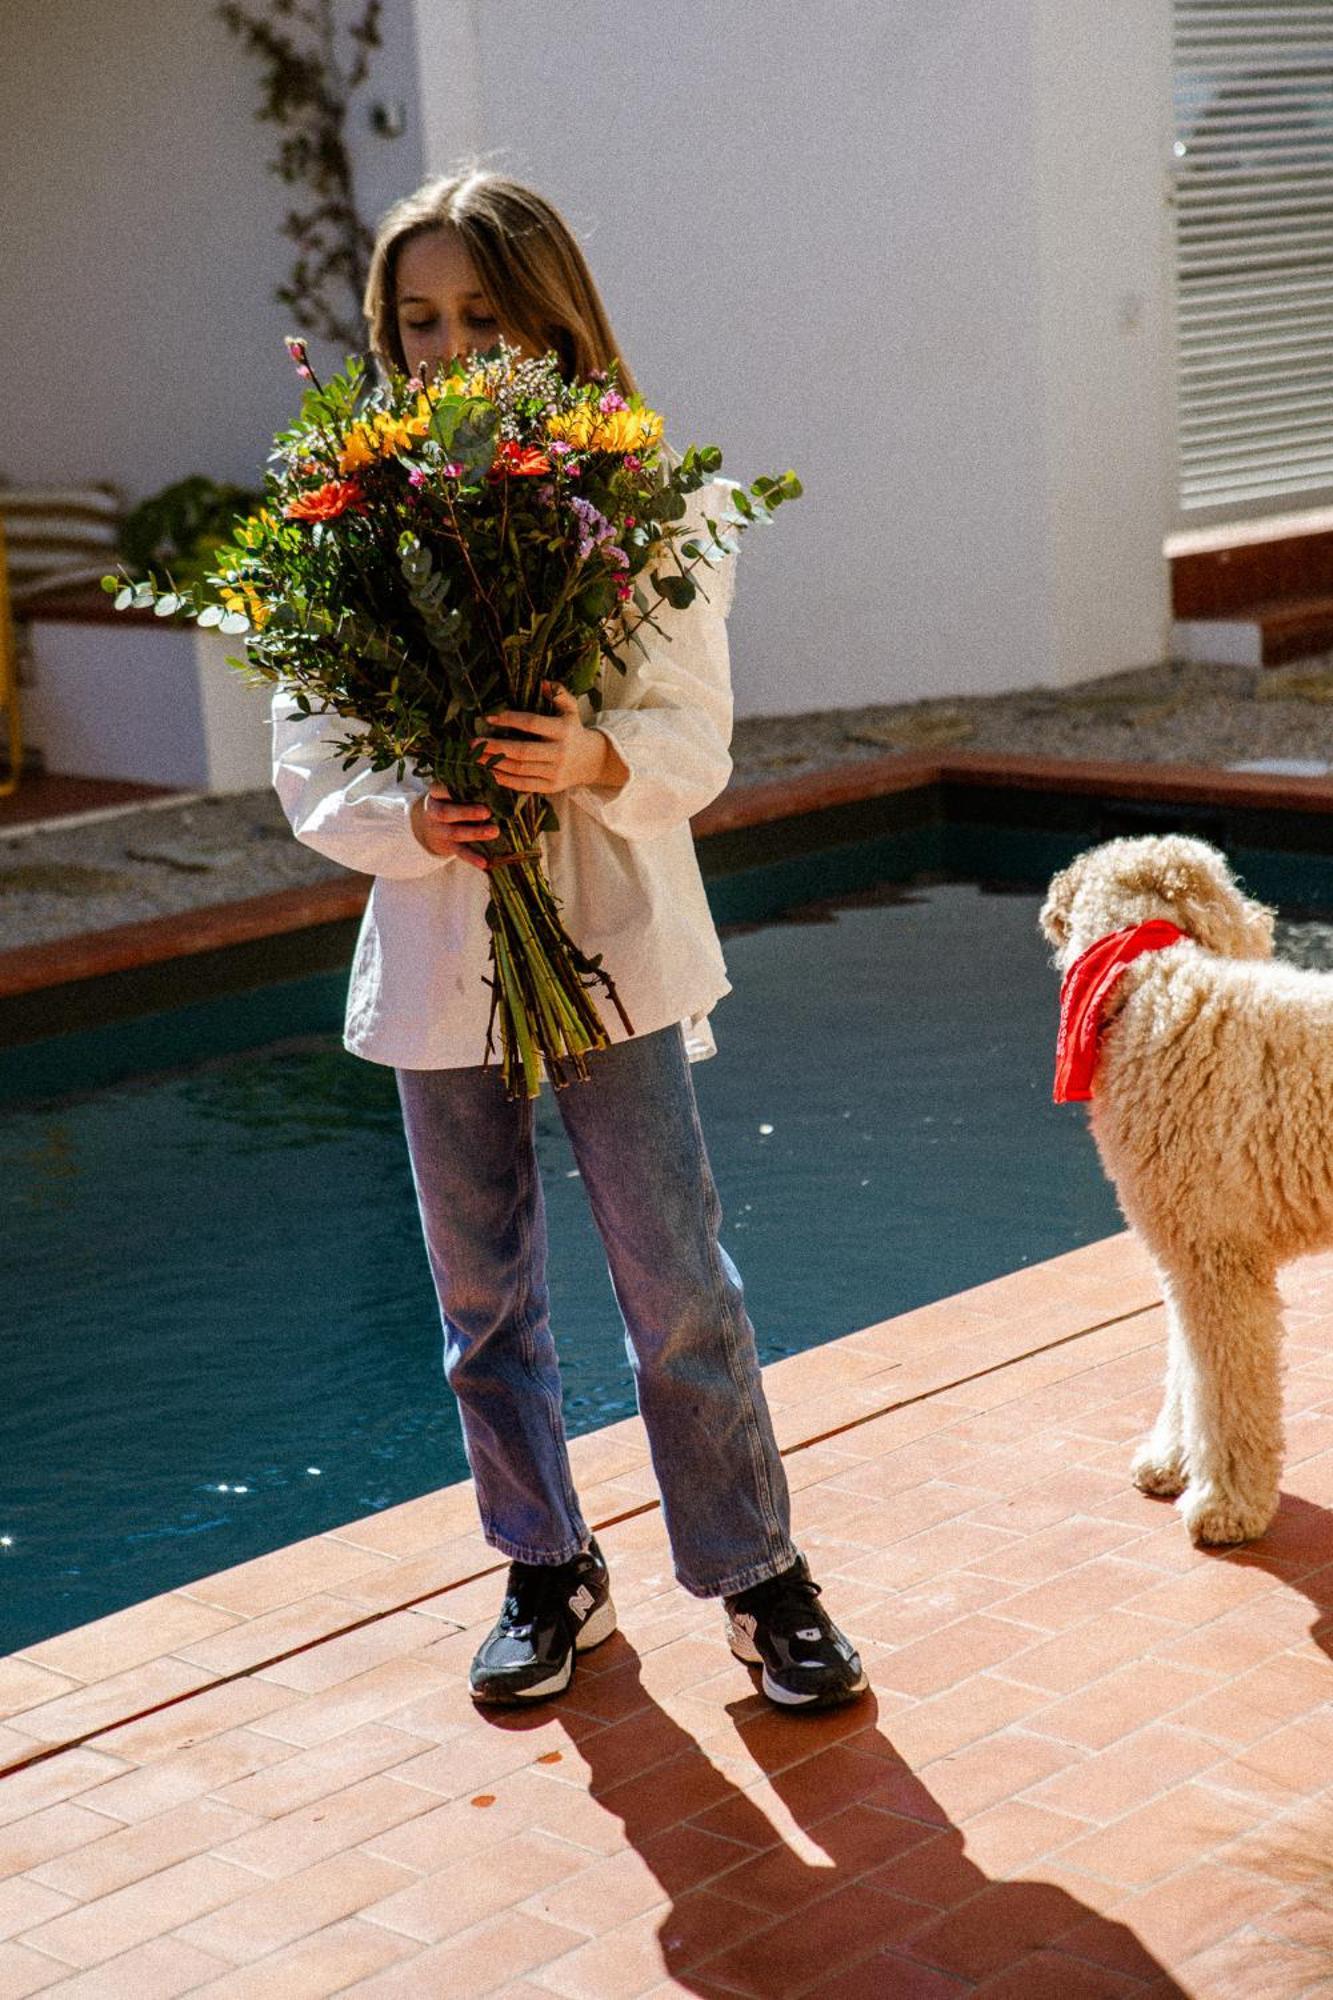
622	862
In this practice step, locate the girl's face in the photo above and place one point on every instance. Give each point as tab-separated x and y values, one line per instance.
442	309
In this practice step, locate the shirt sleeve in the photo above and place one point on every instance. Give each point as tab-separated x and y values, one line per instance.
358	817
670	717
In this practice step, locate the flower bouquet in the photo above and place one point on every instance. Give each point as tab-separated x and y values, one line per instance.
439	547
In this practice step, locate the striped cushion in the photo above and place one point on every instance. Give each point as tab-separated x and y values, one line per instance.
58	536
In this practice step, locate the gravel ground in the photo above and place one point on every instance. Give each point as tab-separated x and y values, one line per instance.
57	881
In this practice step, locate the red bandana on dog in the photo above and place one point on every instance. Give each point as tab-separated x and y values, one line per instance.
1085	990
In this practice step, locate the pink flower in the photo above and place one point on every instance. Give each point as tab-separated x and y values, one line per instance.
612	400
416	477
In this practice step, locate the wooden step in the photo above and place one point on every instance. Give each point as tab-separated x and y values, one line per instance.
1232	576
1266	634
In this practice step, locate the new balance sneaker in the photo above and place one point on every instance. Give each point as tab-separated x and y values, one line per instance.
551	1611
780	1625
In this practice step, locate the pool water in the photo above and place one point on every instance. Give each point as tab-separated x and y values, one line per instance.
221	1335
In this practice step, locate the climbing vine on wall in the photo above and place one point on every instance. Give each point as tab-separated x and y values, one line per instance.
310	65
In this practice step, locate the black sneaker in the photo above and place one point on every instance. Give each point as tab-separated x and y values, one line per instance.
551	1611
779	1625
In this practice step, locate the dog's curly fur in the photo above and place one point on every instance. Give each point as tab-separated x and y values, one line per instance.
1212	1110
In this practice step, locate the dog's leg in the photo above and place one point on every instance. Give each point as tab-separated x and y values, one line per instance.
1229	1313
1160	1466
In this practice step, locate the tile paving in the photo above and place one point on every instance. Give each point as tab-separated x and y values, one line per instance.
1096	1761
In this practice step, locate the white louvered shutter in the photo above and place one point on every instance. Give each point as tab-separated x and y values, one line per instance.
1253	186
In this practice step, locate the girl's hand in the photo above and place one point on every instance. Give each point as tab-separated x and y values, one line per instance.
557	753
446	827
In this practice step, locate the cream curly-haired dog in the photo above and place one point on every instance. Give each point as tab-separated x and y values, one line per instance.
1212	1109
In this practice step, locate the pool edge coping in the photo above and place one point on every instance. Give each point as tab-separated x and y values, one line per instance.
84	955
1095	1289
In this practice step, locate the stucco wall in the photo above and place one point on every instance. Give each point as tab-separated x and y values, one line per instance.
855	240
917	252
139	337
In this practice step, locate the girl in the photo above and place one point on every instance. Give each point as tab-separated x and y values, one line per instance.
455	265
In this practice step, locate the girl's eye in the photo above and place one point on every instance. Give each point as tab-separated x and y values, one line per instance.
481	319
417	325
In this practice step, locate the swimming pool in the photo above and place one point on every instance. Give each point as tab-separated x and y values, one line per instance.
222	1335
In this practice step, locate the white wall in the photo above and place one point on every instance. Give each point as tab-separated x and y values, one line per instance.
1102	146
139	336
867	243
916	252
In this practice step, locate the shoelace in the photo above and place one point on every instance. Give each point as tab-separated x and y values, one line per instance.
786	1603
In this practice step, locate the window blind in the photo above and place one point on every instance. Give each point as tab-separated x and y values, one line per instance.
1253	190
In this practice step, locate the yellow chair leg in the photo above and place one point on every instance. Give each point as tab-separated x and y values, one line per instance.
9	677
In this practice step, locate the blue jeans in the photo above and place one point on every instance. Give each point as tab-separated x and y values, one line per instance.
635	1131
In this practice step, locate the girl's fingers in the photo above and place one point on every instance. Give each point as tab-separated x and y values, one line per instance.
449	812
508	759
534	725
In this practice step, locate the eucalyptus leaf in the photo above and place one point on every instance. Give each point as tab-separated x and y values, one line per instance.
679	591
474	440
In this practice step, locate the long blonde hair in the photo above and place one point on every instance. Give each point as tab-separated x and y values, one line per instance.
528	261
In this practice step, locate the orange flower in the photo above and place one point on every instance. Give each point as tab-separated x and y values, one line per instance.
334	497
518	459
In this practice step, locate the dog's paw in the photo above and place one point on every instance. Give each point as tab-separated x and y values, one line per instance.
1216	1519
1161	1473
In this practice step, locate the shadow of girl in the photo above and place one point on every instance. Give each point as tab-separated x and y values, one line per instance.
883	1900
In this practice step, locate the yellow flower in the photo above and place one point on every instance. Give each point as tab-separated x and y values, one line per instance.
247	601
358	450
392	434
574	428
587	429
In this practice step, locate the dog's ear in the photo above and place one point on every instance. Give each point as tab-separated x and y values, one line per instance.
1053	916
1194	879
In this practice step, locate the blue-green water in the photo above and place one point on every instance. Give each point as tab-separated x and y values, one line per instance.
220	1334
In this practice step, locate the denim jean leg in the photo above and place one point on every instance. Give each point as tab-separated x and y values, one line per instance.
634	1126
484	1220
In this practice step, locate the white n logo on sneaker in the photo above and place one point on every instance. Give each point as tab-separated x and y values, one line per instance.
581	1602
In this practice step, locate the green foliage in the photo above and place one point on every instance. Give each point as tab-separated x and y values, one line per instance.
428	588
465	428
175	534
679	591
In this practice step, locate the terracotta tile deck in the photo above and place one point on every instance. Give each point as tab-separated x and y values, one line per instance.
1096	1761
